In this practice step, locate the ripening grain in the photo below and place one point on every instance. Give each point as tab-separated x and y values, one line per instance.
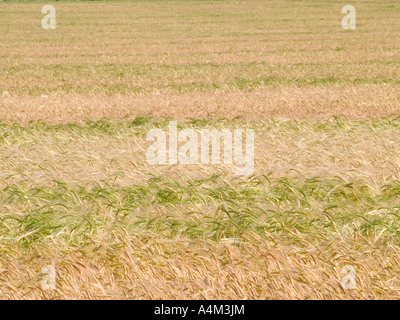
76	190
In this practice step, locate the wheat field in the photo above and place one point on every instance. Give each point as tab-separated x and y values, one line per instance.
76	190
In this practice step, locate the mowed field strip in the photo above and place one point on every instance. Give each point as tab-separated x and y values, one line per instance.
77	192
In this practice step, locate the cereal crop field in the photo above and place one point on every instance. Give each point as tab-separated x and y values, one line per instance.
79	195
